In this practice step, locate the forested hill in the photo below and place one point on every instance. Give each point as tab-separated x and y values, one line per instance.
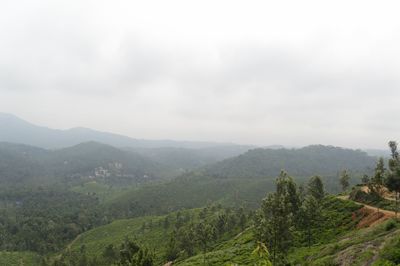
307	161
91	160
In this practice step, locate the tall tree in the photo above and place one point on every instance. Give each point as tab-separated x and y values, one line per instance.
316	187
172	251
378	180
310	213
393	177
185	238
345	180
274	221
286	187
204	234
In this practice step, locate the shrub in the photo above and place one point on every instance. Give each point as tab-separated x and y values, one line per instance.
391	224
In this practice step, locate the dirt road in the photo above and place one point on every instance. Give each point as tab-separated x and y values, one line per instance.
379	215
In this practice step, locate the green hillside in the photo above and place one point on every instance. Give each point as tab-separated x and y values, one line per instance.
189	192
19	258
377	245
235	246
96	240
153	232
22	164
304	162
237	250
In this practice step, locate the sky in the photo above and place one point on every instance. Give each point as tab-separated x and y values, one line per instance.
250	72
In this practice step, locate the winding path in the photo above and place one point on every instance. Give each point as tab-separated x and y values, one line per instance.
386	214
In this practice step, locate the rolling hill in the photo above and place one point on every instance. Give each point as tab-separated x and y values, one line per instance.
339	241
307	161
90	160
243	180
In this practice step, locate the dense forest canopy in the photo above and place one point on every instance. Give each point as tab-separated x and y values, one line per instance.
303	162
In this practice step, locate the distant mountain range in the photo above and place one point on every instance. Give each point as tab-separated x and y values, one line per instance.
81	151
16	130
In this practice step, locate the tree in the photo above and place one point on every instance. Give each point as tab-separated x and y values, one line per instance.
131	254
378	179
365	180
221	223
172	251
311	212
316	187
274	220
345	180
204	234
185	239
393	177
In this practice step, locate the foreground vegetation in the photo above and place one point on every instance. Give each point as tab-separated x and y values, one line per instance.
203	217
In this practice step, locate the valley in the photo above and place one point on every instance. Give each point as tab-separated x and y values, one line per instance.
97	204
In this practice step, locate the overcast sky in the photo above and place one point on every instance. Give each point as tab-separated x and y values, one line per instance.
251	72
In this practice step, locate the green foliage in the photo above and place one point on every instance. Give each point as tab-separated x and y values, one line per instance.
373	199
304	162
44	220
190	232
99	190
188	191
345	180
262	255
393	177
19	258
316	187
131	254
391	252
337	239
310	215
274	220
299	226
237	250
390	225
30	165
379	175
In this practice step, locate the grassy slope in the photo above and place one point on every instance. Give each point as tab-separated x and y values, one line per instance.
237	250
357	247
339	245
337	228
114	233
338	222
19	258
